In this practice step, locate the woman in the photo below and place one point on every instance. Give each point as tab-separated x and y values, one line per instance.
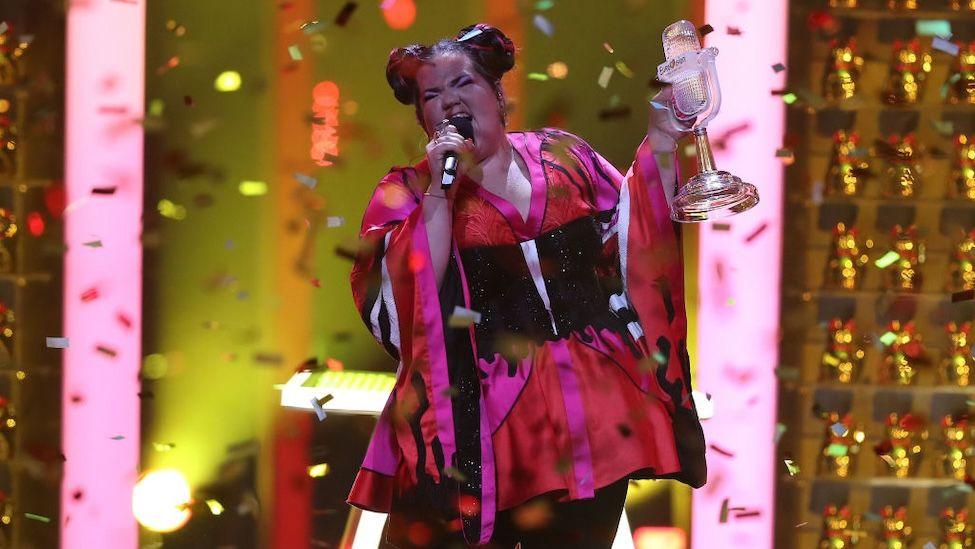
536	310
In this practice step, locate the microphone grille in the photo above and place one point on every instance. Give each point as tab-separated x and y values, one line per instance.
679	38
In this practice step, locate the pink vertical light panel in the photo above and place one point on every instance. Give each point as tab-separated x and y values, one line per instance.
739	275
102	285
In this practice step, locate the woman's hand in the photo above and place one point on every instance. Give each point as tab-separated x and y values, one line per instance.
665	129
446	139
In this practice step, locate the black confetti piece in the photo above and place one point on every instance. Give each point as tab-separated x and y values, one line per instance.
761	228
343	17
966	295
104	190
705	30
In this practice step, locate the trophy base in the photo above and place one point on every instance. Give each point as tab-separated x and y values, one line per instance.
712	195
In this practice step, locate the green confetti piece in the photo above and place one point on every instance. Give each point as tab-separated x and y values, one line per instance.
837	450
780	429
540	76
659	357
624	70
295	52
39	518
932	27
543	5
156	107
888	338
792	467
789	98
887	260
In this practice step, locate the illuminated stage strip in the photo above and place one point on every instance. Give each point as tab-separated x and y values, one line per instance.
738	279
352	392
102	286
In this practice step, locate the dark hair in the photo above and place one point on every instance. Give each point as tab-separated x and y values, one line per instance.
492	52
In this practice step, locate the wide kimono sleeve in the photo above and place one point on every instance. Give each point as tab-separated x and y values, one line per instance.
641	241
394	288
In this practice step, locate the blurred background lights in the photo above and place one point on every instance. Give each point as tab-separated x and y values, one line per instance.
160	500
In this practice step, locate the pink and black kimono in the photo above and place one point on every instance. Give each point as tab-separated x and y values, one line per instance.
577	374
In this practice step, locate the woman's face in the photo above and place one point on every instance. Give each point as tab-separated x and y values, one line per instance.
449	85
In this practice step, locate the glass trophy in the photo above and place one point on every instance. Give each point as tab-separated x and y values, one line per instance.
712	193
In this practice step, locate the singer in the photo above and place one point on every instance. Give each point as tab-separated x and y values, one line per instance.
536	309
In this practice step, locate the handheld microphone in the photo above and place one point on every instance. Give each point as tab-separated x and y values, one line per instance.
450	160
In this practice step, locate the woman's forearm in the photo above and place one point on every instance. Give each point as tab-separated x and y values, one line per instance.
437	219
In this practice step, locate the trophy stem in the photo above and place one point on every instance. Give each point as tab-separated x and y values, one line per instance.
705	160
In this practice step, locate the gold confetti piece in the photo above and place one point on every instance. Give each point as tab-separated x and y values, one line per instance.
558	70
792	467
604	77
318	471
156	107
624	70
215	507
295	52
253	188
463	318
789	98
887	260
801	524
167	208
227	81
163	446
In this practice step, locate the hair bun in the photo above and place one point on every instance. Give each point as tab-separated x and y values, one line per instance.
491	49
401	72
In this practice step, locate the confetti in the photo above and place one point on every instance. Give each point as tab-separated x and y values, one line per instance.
103	190
89	295
540	76
888	338
57	342
761	229
966	295
333	221
544	5
608	48
837	450
118	437
543	24
558	70
470	34
188	101
268	358
163	446
463	318
887	260
610	113
311	27
801	524
941	44
932	27
748	514
723	515
789	98
317	404
780	429
721	451
305	180
604	77
347	10
318	470
227	81
930	545
839	429
295	52
108	351
215	507
624	70
40	518
778	67
791	467
316	283
3	27
722	227
253	188
705	30
169	209
734	31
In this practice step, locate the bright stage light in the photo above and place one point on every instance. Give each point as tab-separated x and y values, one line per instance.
160	500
